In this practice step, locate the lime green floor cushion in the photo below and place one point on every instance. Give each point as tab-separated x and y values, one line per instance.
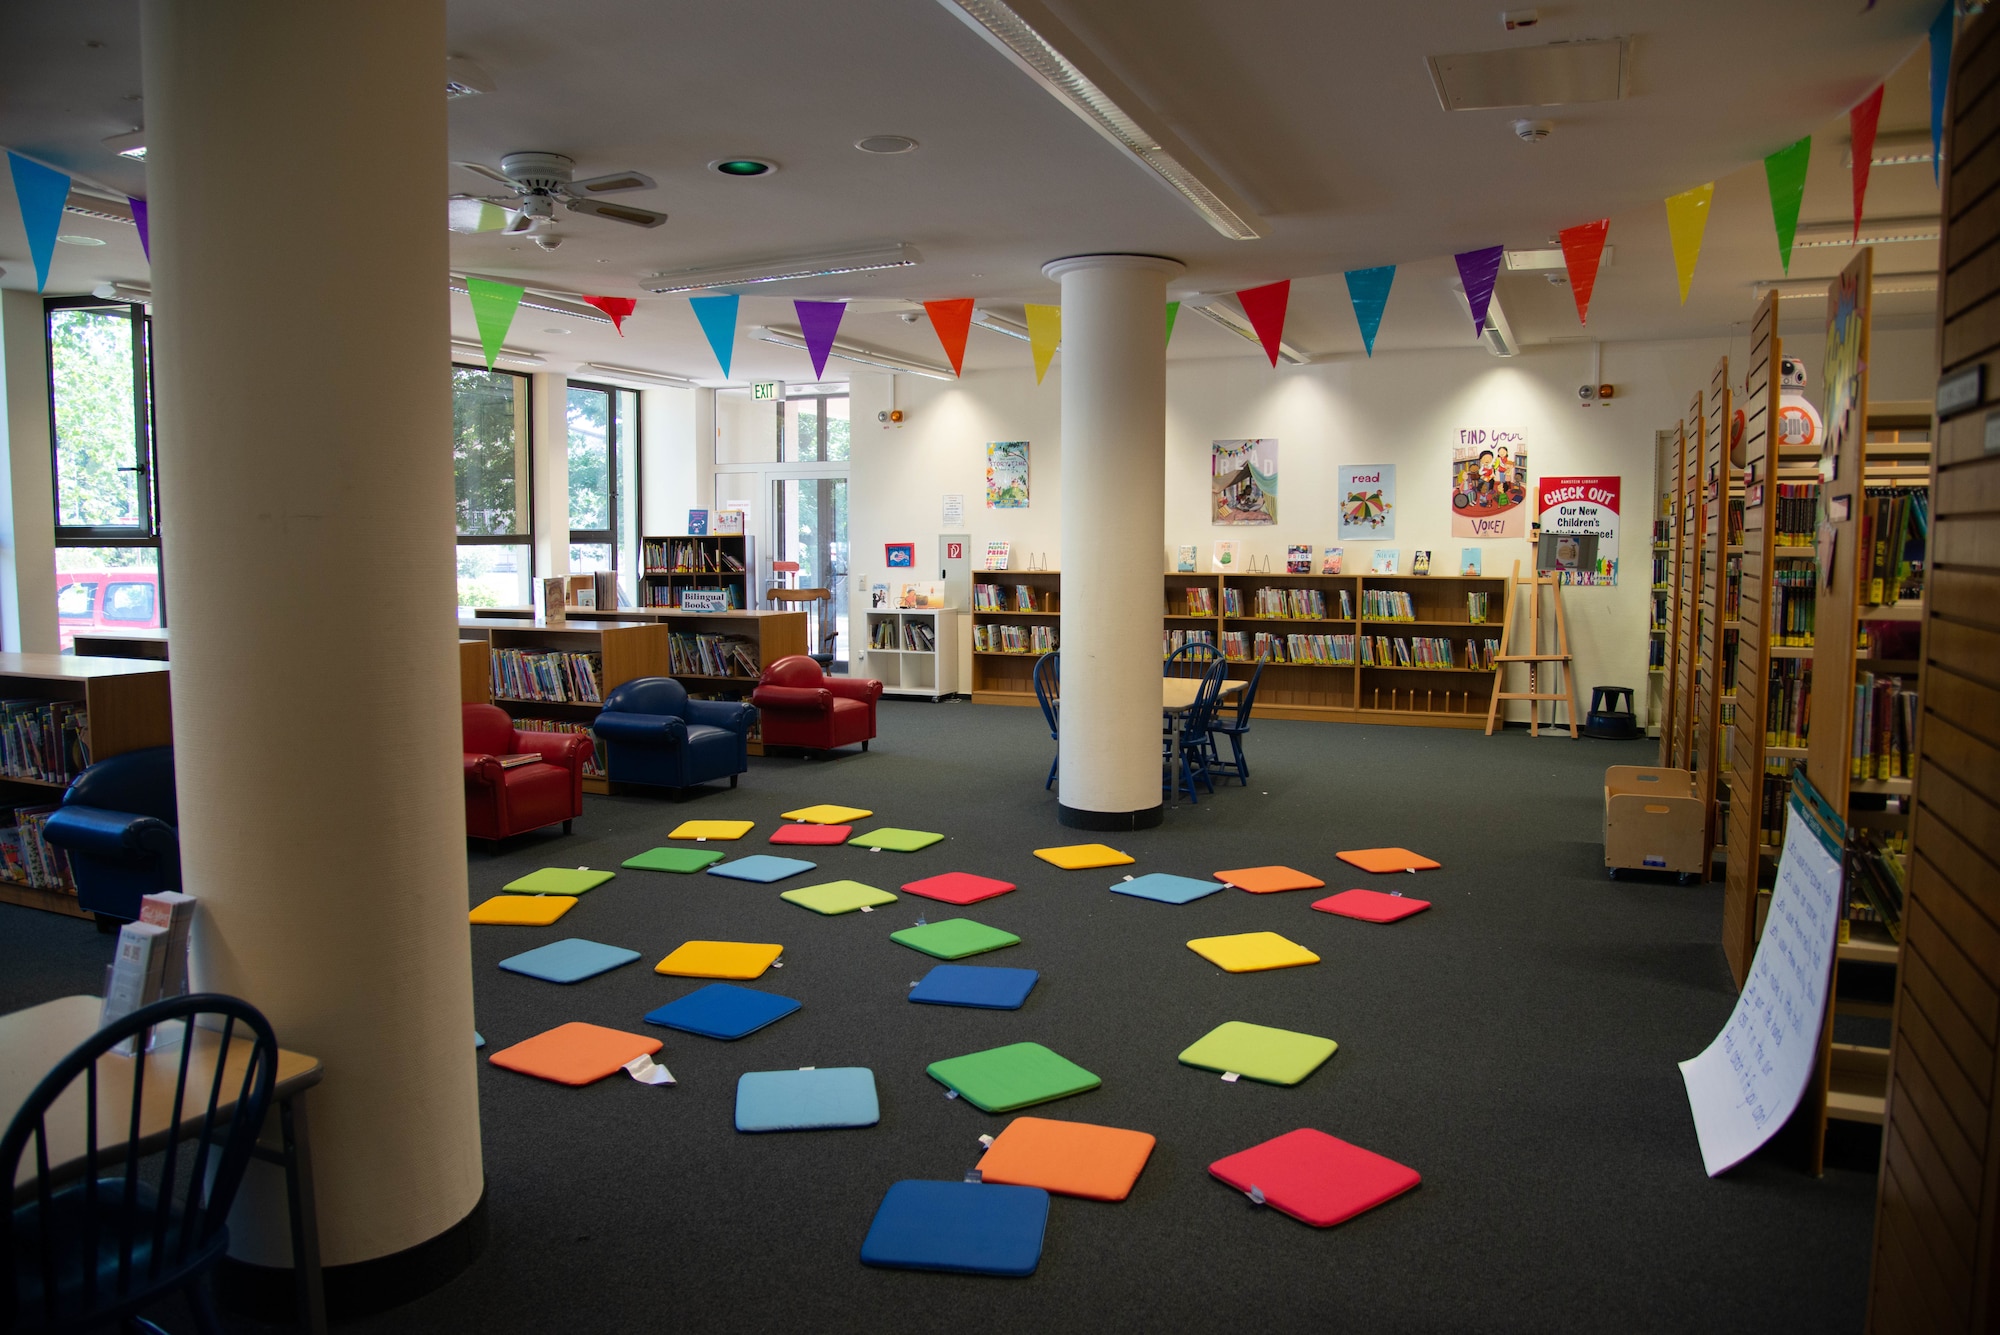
1015	1076
828	813
895	840
954	938
557	881
1248	952
1274	1056
674	859
838	897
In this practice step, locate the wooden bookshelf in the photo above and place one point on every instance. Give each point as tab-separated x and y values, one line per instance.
1659	616
675	562
148	642
1714	639
1684	576
1005	677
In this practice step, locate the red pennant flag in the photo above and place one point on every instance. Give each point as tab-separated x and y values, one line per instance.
615	307
1861	130
1583	247
1266	308
953	321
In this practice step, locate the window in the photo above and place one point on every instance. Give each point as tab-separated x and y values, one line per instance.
604	483
813	429
492	461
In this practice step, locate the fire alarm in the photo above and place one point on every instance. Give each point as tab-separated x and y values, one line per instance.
896	415
1588	393
1604	391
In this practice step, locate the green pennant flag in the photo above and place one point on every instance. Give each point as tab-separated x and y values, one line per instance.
493	307
1785	173
1173	313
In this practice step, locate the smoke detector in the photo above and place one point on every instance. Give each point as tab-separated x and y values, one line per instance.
1533	132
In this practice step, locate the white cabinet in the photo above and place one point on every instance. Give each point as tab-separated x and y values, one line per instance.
913	653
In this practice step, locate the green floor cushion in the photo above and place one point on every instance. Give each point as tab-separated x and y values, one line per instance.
1018	1075
1273	1056
954	938
895	840
558	881
682	860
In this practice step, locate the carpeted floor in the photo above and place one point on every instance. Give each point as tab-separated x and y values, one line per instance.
1516	1045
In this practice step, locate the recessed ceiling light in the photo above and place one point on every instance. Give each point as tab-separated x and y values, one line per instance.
69	240
743	167
131	144
556	329
886	143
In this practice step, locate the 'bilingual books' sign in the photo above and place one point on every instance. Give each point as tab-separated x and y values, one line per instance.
1579	540
704	600
1489	483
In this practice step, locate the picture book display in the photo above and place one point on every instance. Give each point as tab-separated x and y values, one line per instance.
1420	561
1330	561
1184	558
697	523
1471	561
997	554
1226	556
1489	483
1299	558
1243	481
728	521
1385	561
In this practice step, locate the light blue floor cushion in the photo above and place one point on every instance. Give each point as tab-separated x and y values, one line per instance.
978	985
723	1010
808	1099
977	1228
764	867
568	961
1165	888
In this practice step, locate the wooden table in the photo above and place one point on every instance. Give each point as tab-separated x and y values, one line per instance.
1176	700
32	1041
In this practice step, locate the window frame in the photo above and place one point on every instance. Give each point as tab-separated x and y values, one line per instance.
608	537
527	539
818	395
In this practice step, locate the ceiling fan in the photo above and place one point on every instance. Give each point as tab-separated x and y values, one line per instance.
538	181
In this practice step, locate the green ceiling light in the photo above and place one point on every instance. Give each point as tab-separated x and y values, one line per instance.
743	167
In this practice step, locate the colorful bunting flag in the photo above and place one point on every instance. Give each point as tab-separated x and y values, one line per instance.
615	307
1478	270
143	221
1044	336
1368	289
1173	313
1861	133
1941	31
493	307
1785	174
1583	250
1266	308
819	321
41	192
718	322
953	321
1687	219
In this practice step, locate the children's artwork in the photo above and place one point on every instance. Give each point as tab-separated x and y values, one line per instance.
728	521
1227	556
697	523
1007	475
1420	562
878	596
1489	484
1471	561
1329	561
1299	559
997	554
901	555
1243	481
1184	558
1367	495
1579	519
1385	561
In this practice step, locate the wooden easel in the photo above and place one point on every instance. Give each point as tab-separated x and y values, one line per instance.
1534	658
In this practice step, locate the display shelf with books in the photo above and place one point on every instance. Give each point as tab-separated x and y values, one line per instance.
673	564
1714	639
1684	587
914	652
1012	611
1666	473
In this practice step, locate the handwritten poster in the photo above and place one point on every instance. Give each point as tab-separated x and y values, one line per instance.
1579	541
1489	483
1367	499
1747	1082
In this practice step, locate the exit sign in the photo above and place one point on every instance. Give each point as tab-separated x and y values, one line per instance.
766	389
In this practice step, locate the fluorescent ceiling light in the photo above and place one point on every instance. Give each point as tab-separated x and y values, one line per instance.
1216	309
778	268
644	377
1549	258
1885	283
1498	334
94	206
462	348
1893	150
541	301
1029	35
1553	75
1875	232
847	352
131	145
137	293
1000	324
465	77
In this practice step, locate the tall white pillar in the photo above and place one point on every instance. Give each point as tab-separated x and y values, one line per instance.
1114	428
548	396
296	156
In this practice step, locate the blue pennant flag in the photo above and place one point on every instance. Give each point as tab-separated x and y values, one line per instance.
718	321
42	192
1368	289
1940	76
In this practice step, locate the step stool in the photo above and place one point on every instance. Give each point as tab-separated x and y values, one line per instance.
1606	720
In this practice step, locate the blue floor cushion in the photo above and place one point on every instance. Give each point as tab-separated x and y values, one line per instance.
975	985
976	1228
1165	888
763	867
808	1099
723	1010
568	961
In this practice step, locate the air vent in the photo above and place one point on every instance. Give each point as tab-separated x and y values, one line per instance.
1533	76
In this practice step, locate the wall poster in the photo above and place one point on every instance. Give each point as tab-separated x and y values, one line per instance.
1243	481
1367	495
1579	518
1489	484
1007	475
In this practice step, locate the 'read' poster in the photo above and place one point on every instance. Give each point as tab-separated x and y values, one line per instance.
1579	518
1489	484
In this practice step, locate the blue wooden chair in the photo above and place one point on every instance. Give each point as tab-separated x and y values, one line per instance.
1191	659
1048	683
1193	761
1235	724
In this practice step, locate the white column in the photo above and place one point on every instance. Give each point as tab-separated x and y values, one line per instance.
305	428
1114	426
548	399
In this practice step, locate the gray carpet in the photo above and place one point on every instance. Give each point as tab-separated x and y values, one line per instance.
1516	1045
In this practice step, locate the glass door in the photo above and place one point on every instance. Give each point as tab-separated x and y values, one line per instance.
809	526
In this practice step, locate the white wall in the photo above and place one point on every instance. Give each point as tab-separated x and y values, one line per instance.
27	498
672	467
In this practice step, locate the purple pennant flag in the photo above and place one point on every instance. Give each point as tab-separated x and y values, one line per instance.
1477	269
819	321
140	220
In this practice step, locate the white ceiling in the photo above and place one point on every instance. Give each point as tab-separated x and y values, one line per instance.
1322	116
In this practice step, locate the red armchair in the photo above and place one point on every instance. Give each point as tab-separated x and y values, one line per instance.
798	705
507	800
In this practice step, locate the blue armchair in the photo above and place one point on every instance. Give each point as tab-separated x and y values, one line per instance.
653	734
118	825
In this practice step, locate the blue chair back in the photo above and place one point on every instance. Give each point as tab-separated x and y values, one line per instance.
1048	688
1248	697
1202	716
649	695
1192	659
141	782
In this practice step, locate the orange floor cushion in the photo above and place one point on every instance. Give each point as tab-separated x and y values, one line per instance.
1269	880
1068	1158
1387	859
575	1053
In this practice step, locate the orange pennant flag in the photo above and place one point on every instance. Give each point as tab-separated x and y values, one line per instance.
953	321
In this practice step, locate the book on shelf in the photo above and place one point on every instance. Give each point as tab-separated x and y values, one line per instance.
593	768
1014	639
1200	601
1471	561
1385	561
28	856
1171	641
1289	604
987	598
1476	605
1226	555
175	912
920	595
584	600
1420	561
1299	558
920	637
47	740
546	677
729	521
1387	605
1885	718
1788	702
1184	558
1329	560
711	656
1894	528
554	596
1024	598
997	555
605	588
698	523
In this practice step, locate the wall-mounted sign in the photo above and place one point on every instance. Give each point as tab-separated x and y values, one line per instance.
767	389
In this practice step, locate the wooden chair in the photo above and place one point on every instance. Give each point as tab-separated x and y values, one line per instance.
818	605
1048	688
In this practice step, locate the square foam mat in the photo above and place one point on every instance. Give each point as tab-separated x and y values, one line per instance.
1079	857
954	938
1269	880
1251	952
673	859
1371	905
1018	1075
895	840
1166	889
1387	859
958	887
820	835
1272	1056
967	1227
575	1053
838	897
723	1010
711	829
1068	1158
976	985
1316	1178
806	1100
761	867
569	961
827	813
557	881
719	959
523	910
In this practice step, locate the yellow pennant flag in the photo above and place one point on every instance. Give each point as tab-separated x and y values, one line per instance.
1044	334
1687	219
